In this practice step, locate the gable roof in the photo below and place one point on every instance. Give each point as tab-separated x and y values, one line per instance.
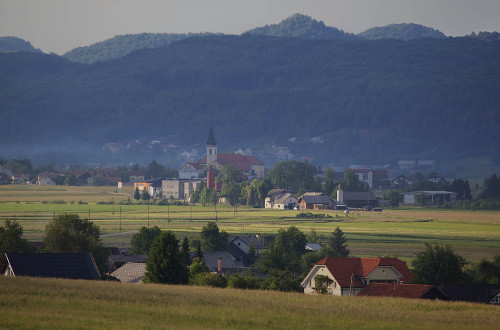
282	198
397	290
131	272
57	265
343	269
316	198
257	243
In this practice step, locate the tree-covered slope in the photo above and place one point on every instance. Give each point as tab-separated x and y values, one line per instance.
122	45
15	44
370	101
301	26
405	31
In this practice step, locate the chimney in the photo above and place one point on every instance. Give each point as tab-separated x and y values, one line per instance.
219	265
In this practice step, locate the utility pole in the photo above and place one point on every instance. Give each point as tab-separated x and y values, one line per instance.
120	218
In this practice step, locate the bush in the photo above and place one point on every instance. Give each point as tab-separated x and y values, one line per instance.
241	281
208	279
161	202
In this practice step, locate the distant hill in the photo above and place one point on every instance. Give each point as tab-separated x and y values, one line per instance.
405	31
368	101
15	44
301	26
122	45
485	36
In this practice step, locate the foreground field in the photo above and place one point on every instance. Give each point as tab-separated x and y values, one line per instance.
63	304
400	233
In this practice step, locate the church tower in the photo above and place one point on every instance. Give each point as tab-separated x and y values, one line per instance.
211	146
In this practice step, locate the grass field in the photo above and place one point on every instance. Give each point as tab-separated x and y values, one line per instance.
62	304
400	233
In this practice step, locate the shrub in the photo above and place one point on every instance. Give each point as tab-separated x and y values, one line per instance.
208	279
242	281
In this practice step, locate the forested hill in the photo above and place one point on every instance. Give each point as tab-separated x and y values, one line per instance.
15	44
301	26
369	101
403	31
122	45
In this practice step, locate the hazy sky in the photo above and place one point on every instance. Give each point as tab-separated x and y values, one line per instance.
61	25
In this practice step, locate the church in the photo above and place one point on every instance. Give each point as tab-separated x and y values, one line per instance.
250	166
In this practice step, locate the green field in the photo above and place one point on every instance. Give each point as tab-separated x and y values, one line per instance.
400	233
63	304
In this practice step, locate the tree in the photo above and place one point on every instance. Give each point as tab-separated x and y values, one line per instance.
321	283
97	180
487	272
71	180
145	195
491	187
293	176
141	242
394	198
330	183
69	233
122	172
337	246
186	258
11	238
229	178
351	182
462	188
285	252
212	239
164	263
437	264
137	194
154	170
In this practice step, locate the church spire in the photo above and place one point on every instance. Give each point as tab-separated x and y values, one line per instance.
211	137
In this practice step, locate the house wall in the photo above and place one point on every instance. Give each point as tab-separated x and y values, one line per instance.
287	201
242	245
383	274
334	288
258	169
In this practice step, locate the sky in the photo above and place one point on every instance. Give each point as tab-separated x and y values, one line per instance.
60	25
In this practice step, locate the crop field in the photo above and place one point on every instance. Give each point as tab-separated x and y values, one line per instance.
37	303
400	232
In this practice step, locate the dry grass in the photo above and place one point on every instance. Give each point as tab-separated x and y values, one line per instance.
51	303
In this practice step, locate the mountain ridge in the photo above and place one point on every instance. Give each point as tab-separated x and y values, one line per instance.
369	101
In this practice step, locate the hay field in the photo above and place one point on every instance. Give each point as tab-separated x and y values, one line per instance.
62	304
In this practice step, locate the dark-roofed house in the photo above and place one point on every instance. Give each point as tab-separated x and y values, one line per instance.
417	291
131	272
478	293
58	265
356	199
351	275
315	201
222	262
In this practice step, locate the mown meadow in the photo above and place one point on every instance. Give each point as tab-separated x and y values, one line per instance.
62	304
400	232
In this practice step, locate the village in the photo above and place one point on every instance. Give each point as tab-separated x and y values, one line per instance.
246	261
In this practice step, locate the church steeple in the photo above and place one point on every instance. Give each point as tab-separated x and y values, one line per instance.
211	137
211	147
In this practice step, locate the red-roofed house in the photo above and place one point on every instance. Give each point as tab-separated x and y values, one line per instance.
416	291
250	166
351	275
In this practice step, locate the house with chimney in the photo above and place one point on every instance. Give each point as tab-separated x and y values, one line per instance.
351	275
